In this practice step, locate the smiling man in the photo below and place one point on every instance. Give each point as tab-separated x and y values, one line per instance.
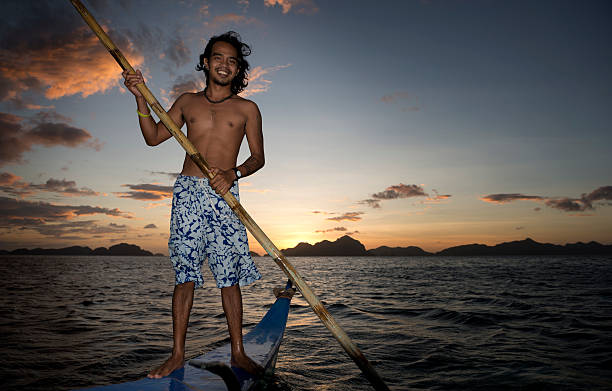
202	225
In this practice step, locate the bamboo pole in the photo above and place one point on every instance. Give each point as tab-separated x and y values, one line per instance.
349	346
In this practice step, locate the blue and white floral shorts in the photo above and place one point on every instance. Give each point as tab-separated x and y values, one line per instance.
202	226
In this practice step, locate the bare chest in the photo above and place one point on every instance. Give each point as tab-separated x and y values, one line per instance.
220	121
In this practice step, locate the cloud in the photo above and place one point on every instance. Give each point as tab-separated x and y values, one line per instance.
307	7
186	83
394	97
244	4
75	228
258	82
64	187
170	175
46	49
566	204
177	52
404	98
44	216
348	216
150	226
13	185
505	198
7	179
146	192
18	135
599	194
438	197
341	229
371	202
224	21
400	191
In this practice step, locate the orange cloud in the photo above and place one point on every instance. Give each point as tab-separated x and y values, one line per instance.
55	54
307	7
257	81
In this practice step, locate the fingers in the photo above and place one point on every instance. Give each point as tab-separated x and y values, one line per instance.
219	183
131	79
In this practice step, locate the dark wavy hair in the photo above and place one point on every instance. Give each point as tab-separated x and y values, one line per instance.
241	80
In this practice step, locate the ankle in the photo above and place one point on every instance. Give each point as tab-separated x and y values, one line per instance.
176	355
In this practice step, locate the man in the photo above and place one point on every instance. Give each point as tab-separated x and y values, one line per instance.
202	225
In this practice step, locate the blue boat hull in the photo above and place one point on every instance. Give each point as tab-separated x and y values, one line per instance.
261	345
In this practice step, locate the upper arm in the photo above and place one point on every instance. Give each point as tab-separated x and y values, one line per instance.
176	113
253	131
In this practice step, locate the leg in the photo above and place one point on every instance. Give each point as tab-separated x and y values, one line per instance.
182	300
231	298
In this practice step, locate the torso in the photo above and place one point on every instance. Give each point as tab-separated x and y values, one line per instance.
216	130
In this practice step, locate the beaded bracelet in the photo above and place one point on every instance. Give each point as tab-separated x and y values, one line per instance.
143	115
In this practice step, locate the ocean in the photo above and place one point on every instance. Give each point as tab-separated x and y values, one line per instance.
434	323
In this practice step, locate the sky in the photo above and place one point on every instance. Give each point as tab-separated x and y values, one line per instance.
423	123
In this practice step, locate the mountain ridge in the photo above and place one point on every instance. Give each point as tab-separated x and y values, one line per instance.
526	246
348	246
121	249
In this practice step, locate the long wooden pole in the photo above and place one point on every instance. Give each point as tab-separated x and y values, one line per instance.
329	322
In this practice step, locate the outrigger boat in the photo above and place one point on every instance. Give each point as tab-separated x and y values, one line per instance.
212	371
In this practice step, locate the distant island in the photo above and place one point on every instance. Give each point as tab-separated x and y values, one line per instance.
347	246
123	249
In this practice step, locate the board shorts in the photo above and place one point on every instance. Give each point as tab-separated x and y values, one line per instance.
203	226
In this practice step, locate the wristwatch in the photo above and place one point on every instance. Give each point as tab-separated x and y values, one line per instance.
237	172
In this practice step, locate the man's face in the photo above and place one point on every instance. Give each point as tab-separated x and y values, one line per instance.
223	63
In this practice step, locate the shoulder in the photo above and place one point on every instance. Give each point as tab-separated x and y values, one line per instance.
185	98
246	105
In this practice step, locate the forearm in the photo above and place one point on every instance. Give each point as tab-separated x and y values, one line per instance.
148	127
251	165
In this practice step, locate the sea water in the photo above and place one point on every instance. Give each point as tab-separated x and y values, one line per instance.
436	323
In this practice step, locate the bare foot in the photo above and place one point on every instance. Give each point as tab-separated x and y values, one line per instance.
245	363
166	368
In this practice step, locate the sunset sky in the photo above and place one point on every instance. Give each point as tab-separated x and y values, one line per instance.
428	123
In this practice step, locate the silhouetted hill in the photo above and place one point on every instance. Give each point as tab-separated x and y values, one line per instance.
528	247
123	249
410	251
345	246
73	250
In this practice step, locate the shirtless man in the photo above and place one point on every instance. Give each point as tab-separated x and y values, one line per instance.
202	225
